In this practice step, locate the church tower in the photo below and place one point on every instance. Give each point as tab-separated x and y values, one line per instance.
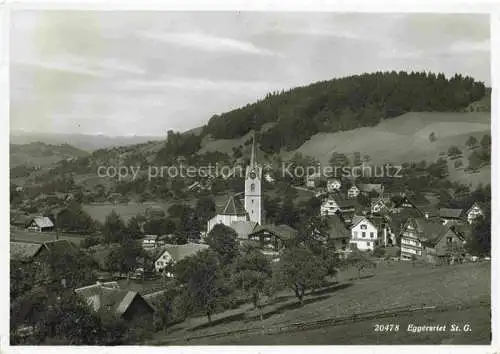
253	197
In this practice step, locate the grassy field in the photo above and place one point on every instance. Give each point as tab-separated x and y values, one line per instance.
363	333
99	211
38	237
391	285
404	139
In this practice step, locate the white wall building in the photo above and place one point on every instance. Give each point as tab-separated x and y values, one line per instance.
364	234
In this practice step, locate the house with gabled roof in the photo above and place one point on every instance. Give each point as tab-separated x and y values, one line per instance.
40	224
353	192
364	234
338	232
367	188
451	216
430	240
475	211
110	298
333	185
272	238
175	253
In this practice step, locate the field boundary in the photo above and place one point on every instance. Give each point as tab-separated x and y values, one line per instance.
334	321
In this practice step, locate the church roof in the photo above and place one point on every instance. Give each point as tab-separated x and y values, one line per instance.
232	206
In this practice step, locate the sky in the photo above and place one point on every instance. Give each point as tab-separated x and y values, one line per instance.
144	73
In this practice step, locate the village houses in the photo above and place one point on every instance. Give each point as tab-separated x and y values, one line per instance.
175	253
429	240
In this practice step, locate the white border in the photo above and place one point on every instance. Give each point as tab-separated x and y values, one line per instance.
444	6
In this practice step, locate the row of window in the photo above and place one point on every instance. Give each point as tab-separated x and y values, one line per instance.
363	234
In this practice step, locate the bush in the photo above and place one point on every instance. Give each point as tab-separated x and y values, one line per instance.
90	241
379	252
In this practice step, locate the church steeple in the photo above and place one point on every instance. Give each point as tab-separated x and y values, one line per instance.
252	157
253	177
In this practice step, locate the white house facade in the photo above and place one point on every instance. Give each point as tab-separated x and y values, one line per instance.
364	234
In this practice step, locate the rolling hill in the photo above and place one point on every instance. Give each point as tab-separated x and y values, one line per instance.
41	154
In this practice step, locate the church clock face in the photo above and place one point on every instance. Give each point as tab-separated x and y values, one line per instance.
252	175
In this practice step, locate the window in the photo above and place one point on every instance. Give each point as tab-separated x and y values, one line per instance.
368	244
371	234
252	187
363	227
449	240
355	234
363	234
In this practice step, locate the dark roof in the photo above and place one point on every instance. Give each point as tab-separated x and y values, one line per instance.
114	299
28	250
336	227
397	220
430	231
368	187
418	200
24	250
231	206
284	232
179	252
448	213
243	228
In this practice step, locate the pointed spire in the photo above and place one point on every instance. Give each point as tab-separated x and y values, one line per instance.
252	159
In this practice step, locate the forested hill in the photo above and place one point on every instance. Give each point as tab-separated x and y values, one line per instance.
344	104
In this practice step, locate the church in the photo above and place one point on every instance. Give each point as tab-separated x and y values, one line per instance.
243	215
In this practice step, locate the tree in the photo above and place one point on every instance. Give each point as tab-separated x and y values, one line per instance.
159	226
205	209
223	240
471	142
432	137
475	161
360	261
486	142
300	269
202	279
114	229
252	273
454	152
134	228
125	257
479	242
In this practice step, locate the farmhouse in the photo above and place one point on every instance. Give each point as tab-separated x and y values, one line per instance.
476	210
429	240
149	242
451	216
125	304
353	192
336	203
312	180
175	253
40	224
367	188
379	205
338	233
272	238
30	251
333	185
364	234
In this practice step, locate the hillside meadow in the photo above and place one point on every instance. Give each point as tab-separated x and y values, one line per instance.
390	285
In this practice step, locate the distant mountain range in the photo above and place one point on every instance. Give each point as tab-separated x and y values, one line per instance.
85	142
